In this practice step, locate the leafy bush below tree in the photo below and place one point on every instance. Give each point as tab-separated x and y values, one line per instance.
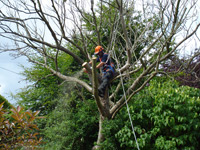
165	116
73	125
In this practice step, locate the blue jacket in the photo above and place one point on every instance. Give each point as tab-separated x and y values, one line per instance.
109	66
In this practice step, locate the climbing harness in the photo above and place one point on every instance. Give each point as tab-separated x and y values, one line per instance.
109	64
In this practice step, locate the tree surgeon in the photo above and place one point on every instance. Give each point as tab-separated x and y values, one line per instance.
106	67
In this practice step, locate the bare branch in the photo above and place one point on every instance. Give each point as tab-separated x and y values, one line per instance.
95	22
64	77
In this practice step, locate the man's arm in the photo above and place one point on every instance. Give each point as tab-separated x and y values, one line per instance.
100	65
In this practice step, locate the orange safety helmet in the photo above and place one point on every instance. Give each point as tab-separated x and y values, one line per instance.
98	49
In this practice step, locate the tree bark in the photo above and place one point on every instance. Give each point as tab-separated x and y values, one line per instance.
106	104
100	138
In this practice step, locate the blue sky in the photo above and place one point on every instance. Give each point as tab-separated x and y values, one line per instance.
10	80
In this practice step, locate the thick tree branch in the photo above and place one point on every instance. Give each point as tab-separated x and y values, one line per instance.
121	103
64	77
95	87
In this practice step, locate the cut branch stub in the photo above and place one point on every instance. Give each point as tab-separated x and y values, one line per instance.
94	76
87	67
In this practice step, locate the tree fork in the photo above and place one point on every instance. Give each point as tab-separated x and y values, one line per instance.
102	103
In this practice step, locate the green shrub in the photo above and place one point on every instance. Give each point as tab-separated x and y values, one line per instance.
165	116
6	103
73	125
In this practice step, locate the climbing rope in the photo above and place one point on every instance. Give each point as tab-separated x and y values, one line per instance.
118	66
126	102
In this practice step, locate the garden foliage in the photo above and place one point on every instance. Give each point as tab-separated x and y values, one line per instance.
165	116
73	125
17	129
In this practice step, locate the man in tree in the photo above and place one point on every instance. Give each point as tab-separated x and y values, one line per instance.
107	69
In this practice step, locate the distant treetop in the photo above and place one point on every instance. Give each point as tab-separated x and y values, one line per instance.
6	103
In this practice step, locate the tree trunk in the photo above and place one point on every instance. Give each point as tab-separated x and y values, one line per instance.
106	107
102	103
106	104
100	138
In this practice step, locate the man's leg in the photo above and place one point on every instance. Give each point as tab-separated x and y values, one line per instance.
105	81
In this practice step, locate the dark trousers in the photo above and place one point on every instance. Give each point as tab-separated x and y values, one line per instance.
107	76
